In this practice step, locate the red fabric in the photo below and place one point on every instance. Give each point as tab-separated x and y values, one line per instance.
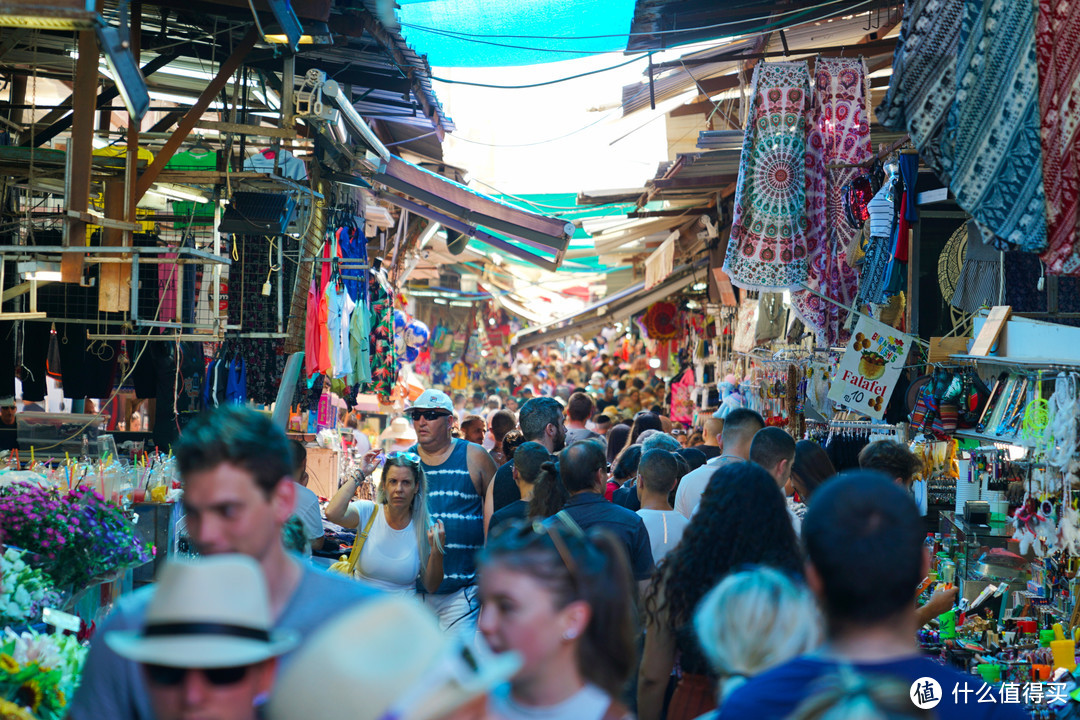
609	491
901	253
694	696
1057	46
311	332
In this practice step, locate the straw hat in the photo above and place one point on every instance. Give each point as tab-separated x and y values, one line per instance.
391	655
399	429
209	613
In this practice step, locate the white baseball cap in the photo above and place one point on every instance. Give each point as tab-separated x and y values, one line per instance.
433	400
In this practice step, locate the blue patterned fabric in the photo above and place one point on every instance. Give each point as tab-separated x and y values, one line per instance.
924	76
452	498
991	149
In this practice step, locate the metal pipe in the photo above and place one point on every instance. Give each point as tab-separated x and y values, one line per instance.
333	91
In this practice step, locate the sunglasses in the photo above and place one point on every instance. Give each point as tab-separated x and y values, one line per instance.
429	415
405	456
554	527
172	676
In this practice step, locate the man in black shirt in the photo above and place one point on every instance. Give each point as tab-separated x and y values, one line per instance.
540	420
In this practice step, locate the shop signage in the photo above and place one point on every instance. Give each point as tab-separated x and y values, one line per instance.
870	367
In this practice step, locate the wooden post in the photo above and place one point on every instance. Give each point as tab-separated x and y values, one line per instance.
80	154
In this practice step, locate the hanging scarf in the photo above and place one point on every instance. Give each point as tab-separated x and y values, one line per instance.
767	247
1057	41
991	147
839	134
923	82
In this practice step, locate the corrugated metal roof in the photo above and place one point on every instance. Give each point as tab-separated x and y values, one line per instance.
669	23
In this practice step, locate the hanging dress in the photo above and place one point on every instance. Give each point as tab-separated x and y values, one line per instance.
767	247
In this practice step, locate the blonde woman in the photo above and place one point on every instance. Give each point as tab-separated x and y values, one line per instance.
755	620
403	545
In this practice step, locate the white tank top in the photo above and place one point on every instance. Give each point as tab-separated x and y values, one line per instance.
390	559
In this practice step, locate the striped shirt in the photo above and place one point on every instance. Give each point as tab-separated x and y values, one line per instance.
452	498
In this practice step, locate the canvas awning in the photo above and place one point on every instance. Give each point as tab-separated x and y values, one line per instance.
547	234
618	306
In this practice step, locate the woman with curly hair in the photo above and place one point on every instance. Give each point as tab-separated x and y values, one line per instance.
742	520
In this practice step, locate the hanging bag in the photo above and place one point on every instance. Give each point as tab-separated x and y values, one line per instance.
347	565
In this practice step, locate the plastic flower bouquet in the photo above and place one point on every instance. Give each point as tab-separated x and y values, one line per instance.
38	673
24	590
74	536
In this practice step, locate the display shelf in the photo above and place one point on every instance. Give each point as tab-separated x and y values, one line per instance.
987	437
1020	362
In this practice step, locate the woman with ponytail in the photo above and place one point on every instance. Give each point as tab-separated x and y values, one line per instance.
562	600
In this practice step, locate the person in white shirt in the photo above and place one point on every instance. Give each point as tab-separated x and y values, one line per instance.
774	450
307	509
657	472
740	425
402	544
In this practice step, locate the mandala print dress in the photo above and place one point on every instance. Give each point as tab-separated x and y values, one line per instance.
991	148
839	135
1057	42
767	247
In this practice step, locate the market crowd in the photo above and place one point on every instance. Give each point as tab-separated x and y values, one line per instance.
551	547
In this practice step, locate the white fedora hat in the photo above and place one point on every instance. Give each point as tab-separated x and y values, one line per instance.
399	429
207	613
386	659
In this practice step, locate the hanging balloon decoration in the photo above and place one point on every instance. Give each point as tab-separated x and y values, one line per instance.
416	336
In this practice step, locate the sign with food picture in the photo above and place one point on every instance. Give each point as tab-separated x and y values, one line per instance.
870	367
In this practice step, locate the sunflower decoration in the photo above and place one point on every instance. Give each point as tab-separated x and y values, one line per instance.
29	695
662	321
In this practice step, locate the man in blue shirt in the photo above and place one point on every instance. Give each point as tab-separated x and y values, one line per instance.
864	541
236	470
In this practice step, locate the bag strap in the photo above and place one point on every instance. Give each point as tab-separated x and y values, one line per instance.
358	545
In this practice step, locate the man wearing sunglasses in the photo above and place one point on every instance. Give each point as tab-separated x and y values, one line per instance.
458	474
207	647
236	471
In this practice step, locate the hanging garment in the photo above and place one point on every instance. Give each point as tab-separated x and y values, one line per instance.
772	317
923	83
980	274
339	310
1057	43
879	249
360	338
767	247
288	165
991	149
383	359
312	334
839	135
682	404
352	245
236	385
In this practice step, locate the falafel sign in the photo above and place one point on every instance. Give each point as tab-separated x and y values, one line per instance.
870	367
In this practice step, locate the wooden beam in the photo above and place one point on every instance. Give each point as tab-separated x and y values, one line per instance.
195	113
242	129
79	155
60	118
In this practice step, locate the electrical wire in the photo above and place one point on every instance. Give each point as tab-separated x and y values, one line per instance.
714	26
544	83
